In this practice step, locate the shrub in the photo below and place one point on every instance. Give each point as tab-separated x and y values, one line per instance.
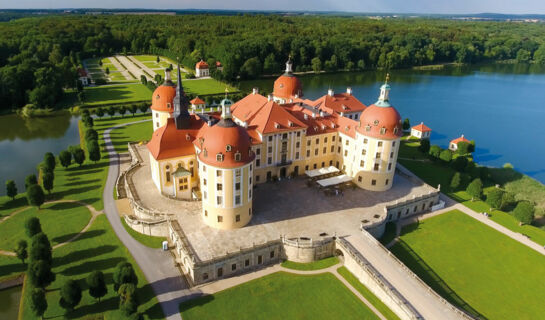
475	189
38	302
65	158
446	155
435	151
406	124
124	273
79	156
507	201
460	163
494	198
35	195
91	134
49	161
40	248
424	145
524	212
47	181
70	295
11	189
128	303
21	250
463	148
30	180
97	285
32	226
456	181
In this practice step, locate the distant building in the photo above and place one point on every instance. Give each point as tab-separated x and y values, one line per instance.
421	131
454	143
219	66
202	69
83	77
197	103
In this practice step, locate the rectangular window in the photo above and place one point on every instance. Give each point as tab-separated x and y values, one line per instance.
220	218
391	155
269	160
389	166
237	218
219	187
206	213
258	151
325	140
333	138
393	144
203	168
360	179
237	186
250	181
204	181
237	199
377	156
259	259
308	142
237	173
345	153
285	136
380	143
269	149
330	162
347	142
298	133
338	149
219	200
233	267
315	166
270	138
308	153
218	173
363	152
362	163
205	276
332	149
376	167
387	181
317	140
257	178
315	152
297	155
365	140
272	254
247	262
257	162
297	144
374	182
205	195
250	194
325	150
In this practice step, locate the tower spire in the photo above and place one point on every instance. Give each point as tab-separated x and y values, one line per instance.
225	106
181	103
384	93
289	65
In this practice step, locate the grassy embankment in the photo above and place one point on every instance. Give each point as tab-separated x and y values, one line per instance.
281	296
435	173
315	265
475	267
97	249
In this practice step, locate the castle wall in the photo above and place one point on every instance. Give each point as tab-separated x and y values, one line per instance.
307	250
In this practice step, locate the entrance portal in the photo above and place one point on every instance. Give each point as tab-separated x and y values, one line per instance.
283	172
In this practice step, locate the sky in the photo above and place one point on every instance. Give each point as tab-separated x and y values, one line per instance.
398	6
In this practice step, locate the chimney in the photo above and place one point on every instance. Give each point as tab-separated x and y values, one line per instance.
314	114
330	92
167	75
321	113
349	90
255	90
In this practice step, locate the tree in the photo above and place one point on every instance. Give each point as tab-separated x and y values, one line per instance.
446	155
88	121
32	226
158	59
459	164
111	111
251	69
539	55
47	181
49	162
91	134
475	189
40	274
471	147
70	295
144	107
406	124
424	145
100	112
30	180
316	64
65	158
21	250
94	151
435	151
38	302
122	110
361	64
79	156
40	248
128	302
124	273
270	65
133	109
11	189
524	212
523	56
97	285
507	201
494	197
107	70
456	181
463	148
35	196
143	80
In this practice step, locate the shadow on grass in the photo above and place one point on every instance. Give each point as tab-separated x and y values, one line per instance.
84	236
76	182
63	206
101	264
96	308
13	268
410	258
83	254
19	201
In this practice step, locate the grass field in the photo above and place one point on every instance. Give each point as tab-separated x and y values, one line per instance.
116	94
475	267
73	216
206	87
281	296
389	314
150	241
134	133
316	265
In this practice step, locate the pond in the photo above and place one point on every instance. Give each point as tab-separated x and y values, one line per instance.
9	302
23	143
501	107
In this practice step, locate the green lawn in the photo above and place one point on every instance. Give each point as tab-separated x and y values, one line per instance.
116	94
206	86
73	216
281	296
7	206
150	241
133	133
376	302
316	265
475	267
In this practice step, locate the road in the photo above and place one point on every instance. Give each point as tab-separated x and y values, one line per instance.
157	265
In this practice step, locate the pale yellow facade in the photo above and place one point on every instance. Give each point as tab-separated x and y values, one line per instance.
173	184
159	118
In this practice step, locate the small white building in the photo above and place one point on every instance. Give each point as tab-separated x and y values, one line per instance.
197	103
421	131
219	66
83	77
453	145
202	69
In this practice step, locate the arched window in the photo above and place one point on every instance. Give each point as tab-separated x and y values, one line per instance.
167	173
219	157
375	122
238	156
382	130
228	148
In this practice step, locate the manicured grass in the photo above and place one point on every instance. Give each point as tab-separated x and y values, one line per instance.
133	133
60	221
376	302
116	94
281	296
150	241
98	249
7	206
475	267
206	86
316	265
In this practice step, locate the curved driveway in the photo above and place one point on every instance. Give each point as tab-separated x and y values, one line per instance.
157	265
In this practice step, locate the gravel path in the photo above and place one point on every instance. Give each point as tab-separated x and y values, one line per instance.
134	69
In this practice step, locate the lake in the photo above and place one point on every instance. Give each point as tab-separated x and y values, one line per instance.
23	143
501	107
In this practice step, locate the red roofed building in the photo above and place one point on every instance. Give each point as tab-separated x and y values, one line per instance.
421	131
343	104
453	145
219	66
202	69
287	87
83	77
197	103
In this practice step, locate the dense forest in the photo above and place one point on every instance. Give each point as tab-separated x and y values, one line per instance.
39	55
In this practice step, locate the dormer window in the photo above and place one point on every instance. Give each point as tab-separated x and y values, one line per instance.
375	122
238	156
367	128
187	137
344	107
219	157
276	125
168	105
395	130
205	152
290	123
323	126
382	130
228	148
157	97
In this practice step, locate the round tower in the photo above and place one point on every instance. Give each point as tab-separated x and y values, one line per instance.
287	87
162	105
226	173
377	143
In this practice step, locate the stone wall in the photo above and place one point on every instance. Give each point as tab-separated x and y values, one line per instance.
304	250
156	228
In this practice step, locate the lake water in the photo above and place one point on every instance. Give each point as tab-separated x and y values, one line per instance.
23	143
501	107
9	302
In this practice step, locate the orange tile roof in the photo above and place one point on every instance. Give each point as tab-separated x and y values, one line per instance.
460	139
201	65
274	118
340	102
376	118
168	142
163	98
287	86
247	107
346	126
421	127
197	101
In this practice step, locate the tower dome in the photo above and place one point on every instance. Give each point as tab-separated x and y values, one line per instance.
381	120
163	98
287	85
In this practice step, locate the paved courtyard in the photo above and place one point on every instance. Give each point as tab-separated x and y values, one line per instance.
286	208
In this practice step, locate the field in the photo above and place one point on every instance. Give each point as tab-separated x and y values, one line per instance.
134	133
117	94
206	87
316	265
281	296
475	267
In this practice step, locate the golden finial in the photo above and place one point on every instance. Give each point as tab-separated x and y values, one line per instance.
387	77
